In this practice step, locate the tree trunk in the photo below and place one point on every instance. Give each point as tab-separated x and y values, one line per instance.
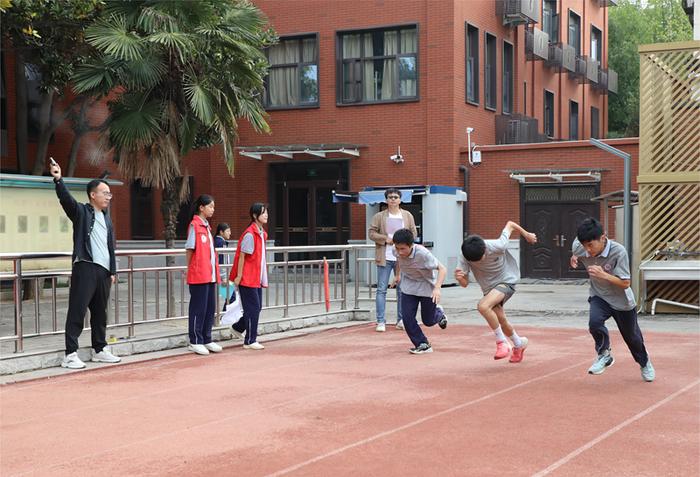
73	157
46	129
169	207
21	118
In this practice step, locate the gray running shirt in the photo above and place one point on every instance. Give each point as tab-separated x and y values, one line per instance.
98	241
418	275
497	265
613	259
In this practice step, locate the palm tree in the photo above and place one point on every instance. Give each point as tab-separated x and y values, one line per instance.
179	74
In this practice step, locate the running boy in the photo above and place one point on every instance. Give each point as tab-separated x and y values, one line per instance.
415	269
608	267
497	272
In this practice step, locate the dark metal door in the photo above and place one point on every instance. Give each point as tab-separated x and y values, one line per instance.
542	260
571	218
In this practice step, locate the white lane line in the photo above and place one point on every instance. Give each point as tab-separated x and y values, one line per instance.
612	431
420	421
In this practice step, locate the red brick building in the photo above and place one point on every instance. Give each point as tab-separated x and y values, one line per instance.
351	82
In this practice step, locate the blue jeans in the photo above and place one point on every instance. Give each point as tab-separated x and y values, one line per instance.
383	275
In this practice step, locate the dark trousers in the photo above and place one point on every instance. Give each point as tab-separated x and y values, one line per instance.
429	312
202	307
89	288
251	300
626	321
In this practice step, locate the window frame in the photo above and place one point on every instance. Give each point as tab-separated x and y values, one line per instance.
490	107
597	122
299	37
578	44
571	116
508	85
554	21
599	49
339	100
545	118
475	69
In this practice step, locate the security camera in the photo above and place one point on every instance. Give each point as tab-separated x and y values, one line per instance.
397	158
470	130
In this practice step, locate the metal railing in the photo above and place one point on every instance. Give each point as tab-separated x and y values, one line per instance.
292	284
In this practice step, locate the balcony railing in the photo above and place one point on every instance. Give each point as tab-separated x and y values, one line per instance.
592	67
602	84
516	129
607	3
556	56
580	69
518	12
536	45
612	81
568	57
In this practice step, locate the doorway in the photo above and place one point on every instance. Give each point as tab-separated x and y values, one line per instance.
554	213
304	212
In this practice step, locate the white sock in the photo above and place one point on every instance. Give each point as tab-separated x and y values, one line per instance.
499	334
517	342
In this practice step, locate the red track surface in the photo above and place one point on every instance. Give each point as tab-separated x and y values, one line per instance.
355	402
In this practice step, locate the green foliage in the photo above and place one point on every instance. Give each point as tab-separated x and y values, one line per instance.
180	74
631	25
49	34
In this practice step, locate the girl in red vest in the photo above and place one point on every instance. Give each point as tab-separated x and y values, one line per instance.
202	277
249	273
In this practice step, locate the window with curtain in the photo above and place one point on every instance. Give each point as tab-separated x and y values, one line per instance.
472	62
379	65
490	72
292	80
575	32
548	113
596	44
507	78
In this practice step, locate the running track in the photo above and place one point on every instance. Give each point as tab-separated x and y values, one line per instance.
354	402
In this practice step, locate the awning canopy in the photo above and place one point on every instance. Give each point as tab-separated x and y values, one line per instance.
616	196
375	195
548	176
289	151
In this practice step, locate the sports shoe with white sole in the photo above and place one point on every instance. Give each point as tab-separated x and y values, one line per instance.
381	327
213	347
199	349
104	356
237	334
255	345
601	363
443	321
72	361
399	325
421	349
648	372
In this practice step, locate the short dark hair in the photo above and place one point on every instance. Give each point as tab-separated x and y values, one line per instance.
392	190
256	210
202	200
92	185
590	229
222	227
473	248
403	236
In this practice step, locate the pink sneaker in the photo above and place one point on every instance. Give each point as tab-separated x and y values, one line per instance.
518	353
502	350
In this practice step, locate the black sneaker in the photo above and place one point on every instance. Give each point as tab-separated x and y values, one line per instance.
443	322
421	348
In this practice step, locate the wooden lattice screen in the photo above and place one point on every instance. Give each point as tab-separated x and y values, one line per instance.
669	158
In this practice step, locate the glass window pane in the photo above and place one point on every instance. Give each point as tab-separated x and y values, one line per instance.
409	41
379	79
351	80
308	50
408	76
283	86
351	46
309	84
285	52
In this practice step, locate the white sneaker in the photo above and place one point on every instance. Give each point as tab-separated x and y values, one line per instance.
213	347
399	325
236	334
72	361
255	345
199	349
381	327
104	356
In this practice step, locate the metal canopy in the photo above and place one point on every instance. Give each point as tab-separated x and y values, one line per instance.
548	176
288	151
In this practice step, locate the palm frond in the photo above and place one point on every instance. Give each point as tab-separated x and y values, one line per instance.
113	37
200	100
134	123
181	43
152	19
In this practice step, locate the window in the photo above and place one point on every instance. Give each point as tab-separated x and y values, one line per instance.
573	120
596	44
379	65
472	51
293	76
507	78
550	20
575	32
595	124
548	113
490	72
524	98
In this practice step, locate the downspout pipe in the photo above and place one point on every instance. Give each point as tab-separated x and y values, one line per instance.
465	207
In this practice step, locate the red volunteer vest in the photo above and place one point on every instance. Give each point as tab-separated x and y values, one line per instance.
251	265
199	269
